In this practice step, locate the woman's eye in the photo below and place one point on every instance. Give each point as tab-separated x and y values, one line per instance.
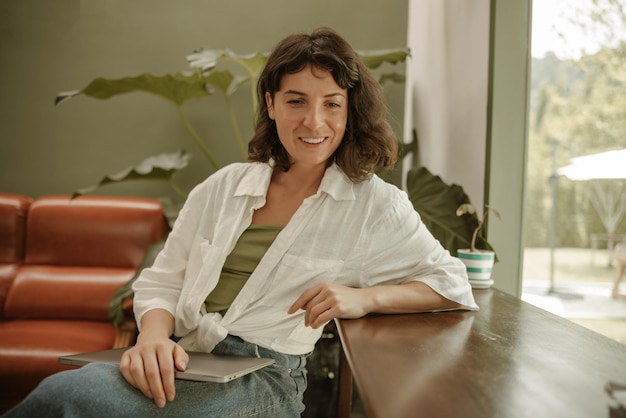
334	105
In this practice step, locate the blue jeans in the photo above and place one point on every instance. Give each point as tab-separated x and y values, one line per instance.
99	390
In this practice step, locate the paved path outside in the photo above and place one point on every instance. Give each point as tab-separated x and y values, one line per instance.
580	289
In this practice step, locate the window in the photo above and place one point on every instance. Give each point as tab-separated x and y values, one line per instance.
577	108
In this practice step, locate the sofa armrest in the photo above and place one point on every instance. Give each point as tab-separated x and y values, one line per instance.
13	212
7	276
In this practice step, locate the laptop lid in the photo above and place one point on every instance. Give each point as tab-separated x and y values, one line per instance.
202	367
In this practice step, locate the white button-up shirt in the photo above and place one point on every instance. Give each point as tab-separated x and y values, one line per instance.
354	234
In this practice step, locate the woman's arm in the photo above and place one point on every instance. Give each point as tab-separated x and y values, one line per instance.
150	365
327	301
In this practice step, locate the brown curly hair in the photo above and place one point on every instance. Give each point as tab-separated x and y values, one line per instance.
368	144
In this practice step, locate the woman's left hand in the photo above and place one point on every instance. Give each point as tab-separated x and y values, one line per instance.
327	301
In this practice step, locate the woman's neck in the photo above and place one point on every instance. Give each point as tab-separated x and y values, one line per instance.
300	179
286	192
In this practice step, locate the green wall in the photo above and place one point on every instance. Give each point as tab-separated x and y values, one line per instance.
51	46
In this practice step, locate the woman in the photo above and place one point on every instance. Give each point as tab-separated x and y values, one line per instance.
265	253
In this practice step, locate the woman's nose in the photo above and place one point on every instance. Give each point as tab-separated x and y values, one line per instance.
313	118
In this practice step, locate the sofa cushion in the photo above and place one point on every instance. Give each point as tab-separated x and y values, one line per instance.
29	350
92	230
64	292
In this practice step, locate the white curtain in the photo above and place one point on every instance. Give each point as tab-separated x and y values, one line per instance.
447	89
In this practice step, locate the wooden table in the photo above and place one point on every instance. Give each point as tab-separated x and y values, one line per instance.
510	359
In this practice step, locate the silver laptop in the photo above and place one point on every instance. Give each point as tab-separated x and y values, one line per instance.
202	367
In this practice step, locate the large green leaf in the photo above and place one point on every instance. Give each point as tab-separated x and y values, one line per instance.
176	88
206	59
374	59
161	167
225	81
392	77
253	63
437	202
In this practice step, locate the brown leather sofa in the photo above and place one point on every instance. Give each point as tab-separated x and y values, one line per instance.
61	261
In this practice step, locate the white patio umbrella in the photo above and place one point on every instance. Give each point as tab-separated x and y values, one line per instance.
609	197
604	165
604	171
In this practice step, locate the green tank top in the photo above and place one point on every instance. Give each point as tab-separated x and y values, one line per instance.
240	264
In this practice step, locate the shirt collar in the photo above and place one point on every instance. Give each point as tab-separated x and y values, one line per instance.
335	183
256	180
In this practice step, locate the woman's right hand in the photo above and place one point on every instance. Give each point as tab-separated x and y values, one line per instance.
150	365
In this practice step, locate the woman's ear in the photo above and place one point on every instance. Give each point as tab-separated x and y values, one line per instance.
270	105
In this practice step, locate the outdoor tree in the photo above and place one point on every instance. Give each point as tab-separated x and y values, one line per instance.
578	107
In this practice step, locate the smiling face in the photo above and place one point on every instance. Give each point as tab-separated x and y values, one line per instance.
311	112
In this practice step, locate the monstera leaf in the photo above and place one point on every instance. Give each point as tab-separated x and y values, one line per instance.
206	59
161	167
437	202
175	88
374	59
392	78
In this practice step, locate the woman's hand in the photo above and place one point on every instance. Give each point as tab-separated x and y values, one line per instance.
151	364
326	301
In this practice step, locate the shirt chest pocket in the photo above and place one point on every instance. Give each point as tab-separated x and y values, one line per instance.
201	274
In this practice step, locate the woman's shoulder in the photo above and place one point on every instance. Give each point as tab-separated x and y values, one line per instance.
383	197
381	190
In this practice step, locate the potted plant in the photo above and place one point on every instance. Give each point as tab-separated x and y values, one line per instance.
478	262
211	70
451	218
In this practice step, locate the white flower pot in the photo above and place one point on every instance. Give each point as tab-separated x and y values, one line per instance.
479	264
